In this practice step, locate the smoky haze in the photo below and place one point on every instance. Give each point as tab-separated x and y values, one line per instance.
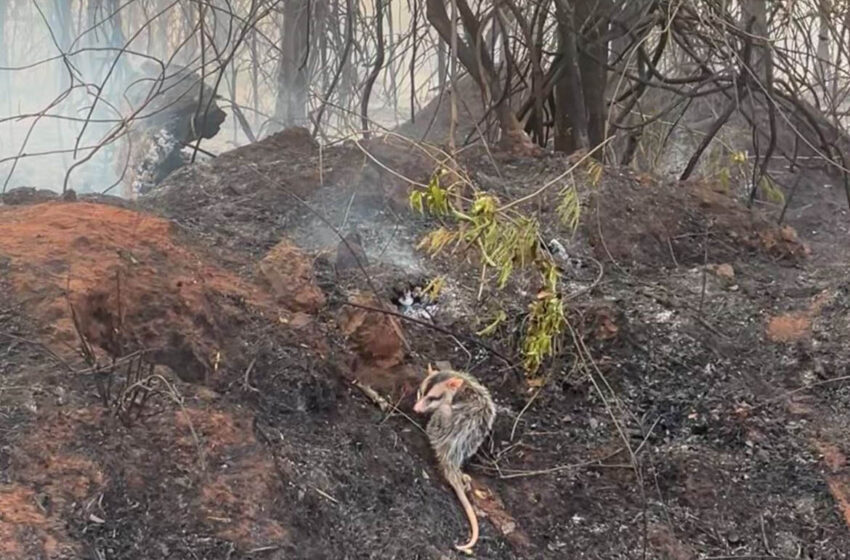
78	77
716	89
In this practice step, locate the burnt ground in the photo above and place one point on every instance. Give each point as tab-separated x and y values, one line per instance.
700	410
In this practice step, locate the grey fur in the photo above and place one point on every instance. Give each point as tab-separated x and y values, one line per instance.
460	420
457	431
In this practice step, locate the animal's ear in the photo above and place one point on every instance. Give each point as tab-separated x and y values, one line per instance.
454	383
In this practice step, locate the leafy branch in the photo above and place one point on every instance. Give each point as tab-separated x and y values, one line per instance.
507	241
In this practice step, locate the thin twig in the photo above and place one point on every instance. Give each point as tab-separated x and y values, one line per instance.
41	347
524	408
506	474
802	389
557	179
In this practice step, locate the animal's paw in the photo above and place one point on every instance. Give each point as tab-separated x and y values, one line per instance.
467	482
464	548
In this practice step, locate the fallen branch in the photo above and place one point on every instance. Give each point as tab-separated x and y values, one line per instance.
373	395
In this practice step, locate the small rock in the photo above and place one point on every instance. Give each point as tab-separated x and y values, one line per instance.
725	271
288	273
376	337
558	251
30	404
788	234
207	395
787	544
26	195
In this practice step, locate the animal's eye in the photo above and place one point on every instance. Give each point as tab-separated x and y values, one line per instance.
432	399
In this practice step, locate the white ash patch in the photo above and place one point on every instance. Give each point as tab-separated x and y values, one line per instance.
414	302
161	145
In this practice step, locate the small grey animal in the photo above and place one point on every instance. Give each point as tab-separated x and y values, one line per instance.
462	413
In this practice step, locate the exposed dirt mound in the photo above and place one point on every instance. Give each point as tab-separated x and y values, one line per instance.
378	346
668	224
205	461
246	200
132	285
246	196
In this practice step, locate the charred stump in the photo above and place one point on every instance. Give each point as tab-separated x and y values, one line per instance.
172	111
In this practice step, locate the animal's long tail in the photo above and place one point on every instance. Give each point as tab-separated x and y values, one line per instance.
455	480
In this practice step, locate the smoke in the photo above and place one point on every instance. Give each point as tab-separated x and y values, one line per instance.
54	111
76	74
67	98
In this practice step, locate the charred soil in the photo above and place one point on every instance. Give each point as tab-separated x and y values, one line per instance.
700	410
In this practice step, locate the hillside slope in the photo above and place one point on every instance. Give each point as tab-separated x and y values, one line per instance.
179	379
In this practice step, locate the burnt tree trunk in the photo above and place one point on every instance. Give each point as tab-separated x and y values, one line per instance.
5	79
759	64
571	127
376	69
478	63
593	19
291	102
823	70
